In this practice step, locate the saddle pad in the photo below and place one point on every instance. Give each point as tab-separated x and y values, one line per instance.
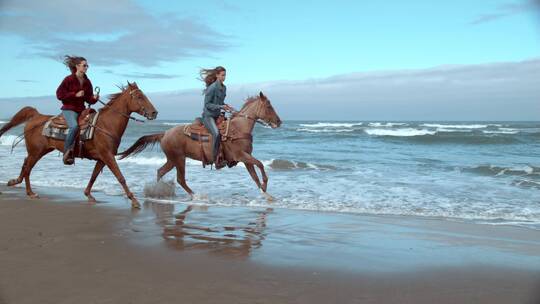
55	131
197	129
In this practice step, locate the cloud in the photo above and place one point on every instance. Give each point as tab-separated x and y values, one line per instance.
506	10
137	75
26	80
495	91
108	32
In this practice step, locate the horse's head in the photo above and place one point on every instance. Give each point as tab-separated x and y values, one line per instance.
265	111
139	103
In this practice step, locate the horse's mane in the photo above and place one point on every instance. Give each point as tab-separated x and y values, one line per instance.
113	97
249	100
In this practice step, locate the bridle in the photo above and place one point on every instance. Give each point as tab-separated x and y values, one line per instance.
256	118
143	109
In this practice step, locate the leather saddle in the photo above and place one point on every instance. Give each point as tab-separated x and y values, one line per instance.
57	128
197	131
59	121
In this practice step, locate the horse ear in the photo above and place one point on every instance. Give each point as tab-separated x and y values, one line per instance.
129	84
261	95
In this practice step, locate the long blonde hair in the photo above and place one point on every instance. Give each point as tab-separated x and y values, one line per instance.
209	76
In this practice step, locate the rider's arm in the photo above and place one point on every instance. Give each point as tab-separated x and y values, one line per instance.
63	93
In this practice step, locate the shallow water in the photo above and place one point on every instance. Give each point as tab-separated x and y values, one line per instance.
486	172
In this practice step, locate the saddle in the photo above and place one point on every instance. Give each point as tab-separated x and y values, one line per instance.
57	128
198	132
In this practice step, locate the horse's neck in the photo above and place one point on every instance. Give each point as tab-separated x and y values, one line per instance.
111	119
244	124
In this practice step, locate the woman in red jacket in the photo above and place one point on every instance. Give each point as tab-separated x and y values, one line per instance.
74	91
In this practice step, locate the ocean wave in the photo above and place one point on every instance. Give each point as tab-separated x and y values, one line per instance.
331	125
386	124
172	123
3	121
468	138
405	132
500	132
283	164
526	183
471	126
492	170
324	130
453	130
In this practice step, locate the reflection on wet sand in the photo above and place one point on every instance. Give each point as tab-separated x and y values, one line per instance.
195	228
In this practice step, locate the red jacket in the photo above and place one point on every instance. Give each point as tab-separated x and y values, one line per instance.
67	90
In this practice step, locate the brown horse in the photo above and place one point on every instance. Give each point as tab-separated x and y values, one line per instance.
112	122
237	148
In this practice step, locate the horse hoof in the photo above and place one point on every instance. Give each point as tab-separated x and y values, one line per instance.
91	199
135	205
12	182
33	196
268	197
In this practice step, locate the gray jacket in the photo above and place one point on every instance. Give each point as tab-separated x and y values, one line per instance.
214	97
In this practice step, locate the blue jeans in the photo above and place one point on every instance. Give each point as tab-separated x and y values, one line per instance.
210	124
71	120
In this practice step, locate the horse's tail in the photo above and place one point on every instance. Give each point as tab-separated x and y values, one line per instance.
22	116
141	144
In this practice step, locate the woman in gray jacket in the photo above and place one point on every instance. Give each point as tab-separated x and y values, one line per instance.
214	96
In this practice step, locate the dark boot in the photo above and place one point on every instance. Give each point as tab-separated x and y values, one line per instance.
68	157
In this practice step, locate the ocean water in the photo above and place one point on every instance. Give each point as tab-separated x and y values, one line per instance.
485	172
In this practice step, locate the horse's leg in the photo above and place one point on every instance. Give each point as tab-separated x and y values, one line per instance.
31	161
251	170
18	180
251	161
88	191
164	169
181	175
110	161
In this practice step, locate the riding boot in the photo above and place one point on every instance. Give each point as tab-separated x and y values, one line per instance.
68	157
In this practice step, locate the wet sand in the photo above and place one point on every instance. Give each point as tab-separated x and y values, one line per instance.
59	249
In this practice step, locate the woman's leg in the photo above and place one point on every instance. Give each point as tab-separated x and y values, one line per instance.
210	124
71	120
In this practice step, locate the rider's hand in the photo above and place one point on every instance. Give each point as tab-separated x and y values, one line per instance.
80	93
96	97
227	108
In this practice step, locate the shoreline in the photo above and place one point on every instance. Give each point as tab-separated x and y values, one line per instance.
62	250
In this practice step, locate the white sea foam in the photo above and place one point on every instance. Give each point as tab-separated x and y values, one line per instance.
500	132
453	130
399	132
325	130
331	125
7	140
173	123
473	126
386	124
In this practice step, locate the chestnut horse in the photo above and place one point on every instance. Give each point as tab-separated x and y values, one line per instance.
237	148
112	122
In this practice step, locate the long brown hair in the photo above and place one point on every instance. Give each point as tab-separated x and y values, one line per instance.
72	61
209	76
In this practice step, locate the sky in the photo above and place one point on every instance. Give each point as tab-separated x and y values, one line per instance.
339	60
